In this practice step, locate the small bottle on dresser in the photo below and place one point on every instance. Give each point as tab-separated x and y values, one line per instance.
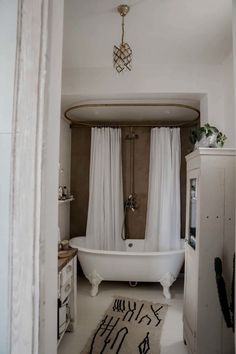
60	192
65	192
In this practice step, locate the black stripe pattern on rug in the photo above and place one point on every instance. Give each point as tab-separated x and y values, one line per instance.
129	326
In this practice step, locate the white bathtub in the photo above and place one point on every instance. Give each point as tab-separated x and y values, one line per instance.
133	265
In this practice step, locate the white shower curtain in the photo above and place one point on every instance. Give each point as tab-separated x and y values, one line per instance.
163	210
106	211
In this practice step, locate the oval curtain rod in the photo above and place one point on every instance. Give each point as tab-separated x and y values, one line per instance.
132	124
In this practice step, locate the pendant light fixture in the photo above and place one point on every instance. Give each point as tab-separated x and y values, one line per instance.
122	54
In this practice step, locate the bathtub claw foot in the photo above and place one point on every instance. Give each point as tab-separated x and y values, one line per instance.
94	290
95	279
166	292
166	282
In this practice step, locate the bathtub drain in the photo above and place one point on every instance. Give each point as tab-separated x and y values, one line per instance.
133	283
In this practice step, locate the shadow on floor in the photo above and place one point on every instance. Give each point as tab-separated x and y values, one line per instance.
174	348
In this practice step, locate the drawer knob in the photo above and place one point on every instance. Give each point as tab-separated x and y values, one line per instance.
67	288
69	269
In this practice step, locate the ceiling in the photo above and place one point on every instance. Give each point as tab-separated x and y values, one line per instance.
159	31
170	32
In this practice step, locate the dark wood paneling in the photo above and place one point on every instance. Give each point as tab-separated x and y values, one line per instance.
186	148
136	221
80	160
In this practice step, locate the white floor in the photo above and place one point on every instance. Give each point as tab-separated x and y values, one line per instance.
91	310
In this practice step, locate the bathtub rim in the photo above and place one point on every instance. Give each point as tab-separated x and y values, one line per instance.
127	253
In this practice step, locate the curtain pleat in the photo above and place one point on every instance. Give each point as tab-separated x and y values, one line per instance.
105	211
163	210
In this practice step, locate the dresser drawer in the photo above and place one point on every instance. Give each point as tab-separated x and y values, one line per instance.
65	290
66	273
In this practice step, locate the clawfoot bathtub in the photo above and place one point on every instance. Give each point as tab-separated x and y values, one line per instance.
133	265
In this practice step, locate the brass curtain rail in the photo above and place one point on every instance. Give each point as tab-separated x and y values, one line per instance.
120	124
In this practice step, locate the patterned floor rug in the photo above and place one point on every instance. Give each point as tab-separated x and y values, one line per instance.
129	326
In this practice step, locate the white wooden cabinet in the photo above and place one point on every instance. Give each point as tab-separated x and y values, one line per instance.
210	232
67	293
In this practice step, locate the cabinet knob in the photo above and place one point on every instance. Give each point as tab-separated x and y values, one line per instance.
69	268
67	288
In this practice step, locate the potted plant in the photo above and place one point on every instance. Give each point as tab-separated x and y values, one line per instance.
207	136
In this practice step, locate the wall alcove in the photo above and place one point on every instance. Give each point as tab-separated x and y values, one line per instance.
141	116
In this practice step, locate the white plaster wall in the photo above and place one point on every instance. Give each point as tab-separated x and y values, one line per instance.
8	28
212	84
186	79
234	79
228	96
64	177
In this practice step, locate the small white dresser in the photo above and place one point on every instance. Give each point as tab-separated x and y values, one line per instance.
210	233
67	292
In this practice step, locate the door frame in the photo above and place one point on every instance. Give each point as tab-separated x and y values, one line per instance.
234	69
33	216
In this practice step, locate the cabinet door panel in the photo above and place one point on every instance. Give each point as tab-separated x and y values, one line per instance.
190	290
210	246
